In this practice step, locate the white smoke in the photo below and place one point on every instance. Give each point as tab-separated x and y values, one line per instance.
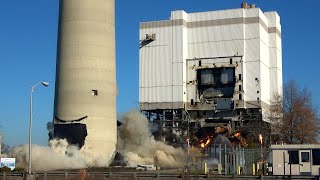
58	155
138	146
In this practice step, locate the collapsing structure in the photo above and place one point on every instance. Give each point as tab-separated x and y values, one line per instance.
85	92
211	71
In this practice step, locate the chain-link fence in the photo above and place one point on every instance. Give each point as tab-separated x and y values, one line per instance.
224	160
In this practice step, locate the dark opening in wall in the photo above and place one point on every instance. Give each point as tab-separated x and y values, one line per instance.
230	60
200	63
216	82
240	78
94	93
240	96
240	88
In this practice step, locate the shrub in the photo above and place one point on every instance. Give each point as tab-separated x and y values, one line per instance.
19	169
5	169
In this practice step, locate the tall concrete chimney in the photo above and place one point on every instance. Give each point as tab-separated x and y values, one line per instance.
85	89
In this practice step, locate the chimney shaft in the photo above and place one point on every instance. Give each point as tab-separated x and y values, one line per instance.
85	94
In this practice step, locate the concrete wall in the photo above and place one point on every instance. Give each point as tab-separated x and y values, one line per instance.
86	62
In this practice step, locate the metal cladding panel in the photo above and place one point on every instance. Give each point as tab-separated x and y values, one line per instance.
252	50
274	88
191	71
162	64
218	62
279	60
273	19
274	41
192	93
264	53
86	62
279	82
212	15
216	49
252	12
180	14
279	71
178	62
191	81
177	92
156	66
215	33
151	95
177	78
252	31
273	71
251	85
177	44
273	57
264	82
184	66
263	19
264	36
279	43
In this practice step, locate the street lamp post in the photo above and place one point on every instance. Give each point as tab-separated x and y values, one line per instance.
45	84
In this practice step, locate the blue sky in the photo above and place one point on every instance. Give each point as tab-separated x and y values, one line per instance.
28	35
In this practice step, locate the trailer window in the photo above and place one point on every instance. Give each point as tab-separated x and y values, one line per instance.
316	156
293	157
305	157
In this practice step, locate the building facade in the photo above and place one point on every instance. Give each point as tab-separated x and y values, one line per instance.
216	68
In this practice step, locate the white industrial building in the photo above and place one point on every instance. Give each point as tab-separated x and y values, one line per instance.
211	68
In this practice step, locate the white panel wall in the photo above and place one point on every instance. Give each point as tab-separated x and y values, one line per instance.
213	15
167	76
265	64
191	86
275	51
156	66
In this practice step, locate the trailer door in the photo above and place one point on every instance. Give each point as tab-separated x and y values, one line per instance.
305	163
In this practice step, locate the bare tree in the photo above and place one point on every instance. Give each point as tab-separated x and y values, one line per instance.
293	116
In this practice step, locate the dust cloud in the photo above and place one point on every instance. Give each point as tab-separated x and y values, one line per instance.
58	155
138	146
135	143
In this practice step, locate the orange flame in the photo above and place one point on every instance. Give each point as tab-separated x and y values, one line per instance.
237	134
260	138
203	145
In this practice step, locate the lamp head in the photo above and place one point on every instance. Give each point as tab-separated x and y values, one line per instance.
46	84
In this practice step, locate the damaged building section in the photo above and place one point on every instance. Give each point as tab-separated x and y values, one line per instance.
210	73
74	131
